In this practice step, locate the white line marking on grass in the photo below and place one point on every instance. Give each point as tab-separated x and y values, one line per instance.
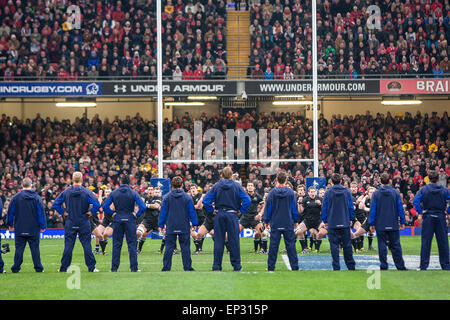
286	261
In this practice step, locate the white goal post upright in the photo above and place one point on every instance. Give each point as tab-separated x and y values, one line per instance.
159	86
314	89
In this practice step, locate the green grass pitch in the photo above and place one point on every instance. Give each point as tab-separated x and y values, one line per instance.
253	283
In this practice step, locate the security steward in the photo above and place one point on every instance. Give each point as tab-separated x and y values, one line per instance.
177	215
385	211
229	197
281	216
434	198
26	215
80	204
337	214
124	199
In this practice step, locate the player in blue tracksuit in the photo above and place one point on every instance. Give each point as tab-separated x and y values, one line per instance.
434	198
124	200
281	213
26	215
2	263
176	211
80	204
229	197
337	214
385	211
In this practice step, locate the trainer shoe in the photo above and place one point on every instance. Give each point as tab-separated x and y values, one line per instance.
96	252
262	251
305	251
138	270
5	248
196	252
105	253
95	270
3	271
139	251
159	252
371	248
283	251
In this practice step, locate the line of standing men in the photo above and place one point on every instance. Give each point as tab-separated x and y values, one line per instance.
26	215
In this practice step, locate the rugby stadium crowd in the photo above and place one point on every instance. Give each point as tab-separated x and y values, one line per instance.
359	147
116	39
411	39
40	40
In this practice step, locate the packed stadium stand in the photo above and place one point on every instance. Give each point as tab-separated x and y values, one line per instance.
412	40
117	39
359	147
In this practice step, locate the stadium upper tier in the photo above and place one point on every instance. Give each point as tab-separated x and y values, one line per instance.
112	39
410	40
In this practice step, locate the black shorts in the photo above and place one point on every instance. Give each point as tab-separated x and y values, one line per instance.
107	221
209	222
94	221
248	221
365	225
312	224
361	217
150	222
201	218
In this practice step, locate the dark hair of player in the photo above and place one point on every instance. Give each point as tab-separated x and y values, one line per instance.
281	177
336	178
125	179
177	182
384	178
434	176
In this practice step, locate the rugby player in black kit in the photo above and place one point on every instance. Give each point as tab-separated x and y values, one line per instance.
310	210
104	229
252	219
198	206
150	217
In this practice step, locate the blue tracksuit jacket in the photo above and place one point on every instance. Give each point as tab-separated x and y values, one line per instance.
176	211
26	213
227	195
337	208
281	208
386	207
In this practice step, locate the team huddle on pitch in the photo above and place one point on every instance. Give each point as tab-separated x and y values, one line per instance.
343	215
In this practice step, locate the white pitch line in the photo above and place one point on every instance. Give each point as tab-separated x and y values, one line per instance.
286	261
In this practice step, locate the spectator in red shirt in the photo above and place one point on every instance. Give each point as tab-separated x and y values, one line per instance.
198	73
187	73
62	74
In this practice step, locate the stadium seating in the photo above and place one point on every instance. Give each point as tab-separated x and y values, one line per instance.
117	39
412	40
359	147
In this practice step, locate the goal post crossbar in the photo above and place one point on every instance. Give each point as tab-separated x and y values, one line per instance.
238	161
